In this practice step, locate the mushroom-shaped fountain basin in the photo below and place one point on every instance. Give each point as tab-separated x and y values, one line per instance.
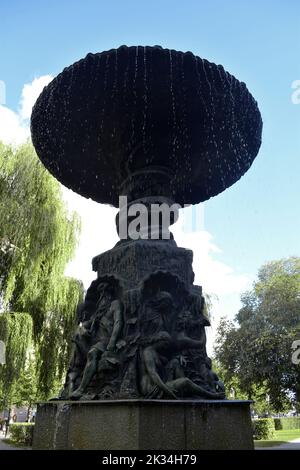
145	120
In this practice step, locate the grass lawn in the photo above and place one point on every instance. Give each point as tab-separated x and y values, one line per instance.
280	437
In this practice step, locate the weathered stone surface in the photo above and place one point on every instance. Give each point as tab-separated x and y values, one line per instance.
133	262
144	424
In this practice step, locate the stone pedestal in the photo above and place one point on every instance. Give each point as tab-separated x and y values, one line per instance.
133	262
144	425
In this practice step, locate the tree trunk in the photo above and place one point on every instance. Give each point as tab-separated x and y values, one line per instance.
28	413
7	422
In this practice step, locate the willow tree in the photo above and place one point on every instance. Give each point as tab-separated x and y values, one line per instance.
38	237
16	332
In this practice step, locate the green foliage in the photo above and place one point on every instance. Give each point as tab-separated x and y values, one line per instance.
21	433
16	332
38	238
287	423
257	347
55	343
263	428
26	389
257	393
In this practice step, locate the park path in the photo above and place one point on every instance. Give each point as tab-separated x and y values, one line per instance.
291	445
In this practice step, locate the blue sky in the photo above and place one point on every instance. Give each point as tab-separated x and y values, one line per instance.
257	41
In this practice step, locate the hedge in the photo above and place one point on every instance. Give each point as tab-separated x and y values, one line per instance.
21	433
287	423
263	428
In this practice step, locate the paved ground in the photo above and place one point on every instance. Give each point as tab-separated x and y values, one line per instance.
4	446
291	445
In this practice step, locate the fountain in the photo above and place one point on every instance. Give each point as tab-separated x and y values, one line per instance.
159	128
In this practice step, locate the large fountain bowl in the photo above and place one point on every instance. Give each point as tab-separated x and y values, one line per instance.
146	111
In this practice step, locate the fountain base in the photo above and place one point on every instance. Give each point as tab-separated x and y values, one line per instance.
144	425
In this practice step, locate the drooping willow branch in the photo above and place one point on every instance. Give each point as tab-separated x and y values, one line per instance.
38	237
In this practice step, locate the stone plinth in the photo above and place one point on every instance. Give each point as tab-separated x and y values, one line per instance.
144	425
133	262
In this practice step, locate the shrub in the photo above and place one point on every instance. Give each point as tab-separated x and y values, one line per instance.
21	433
263	428
287	423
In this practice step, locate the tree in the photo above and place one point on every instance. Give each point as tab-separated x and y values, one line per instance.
16	332
38	237
26	392
257	347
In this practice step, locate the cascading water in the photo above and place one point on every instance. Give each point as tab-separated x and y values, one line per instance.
124	110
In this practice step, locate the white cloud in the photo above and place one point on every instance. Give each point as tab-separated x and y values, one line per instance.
99	233
14	126
12	130
30	94
215	276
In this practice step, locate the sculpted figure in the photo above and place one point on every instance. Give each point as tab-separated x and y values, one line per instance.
212	377
82	340
157	314
105	329
161	372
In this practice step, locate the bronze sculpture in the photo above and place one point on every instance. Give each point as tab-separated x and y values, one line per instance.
157	126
